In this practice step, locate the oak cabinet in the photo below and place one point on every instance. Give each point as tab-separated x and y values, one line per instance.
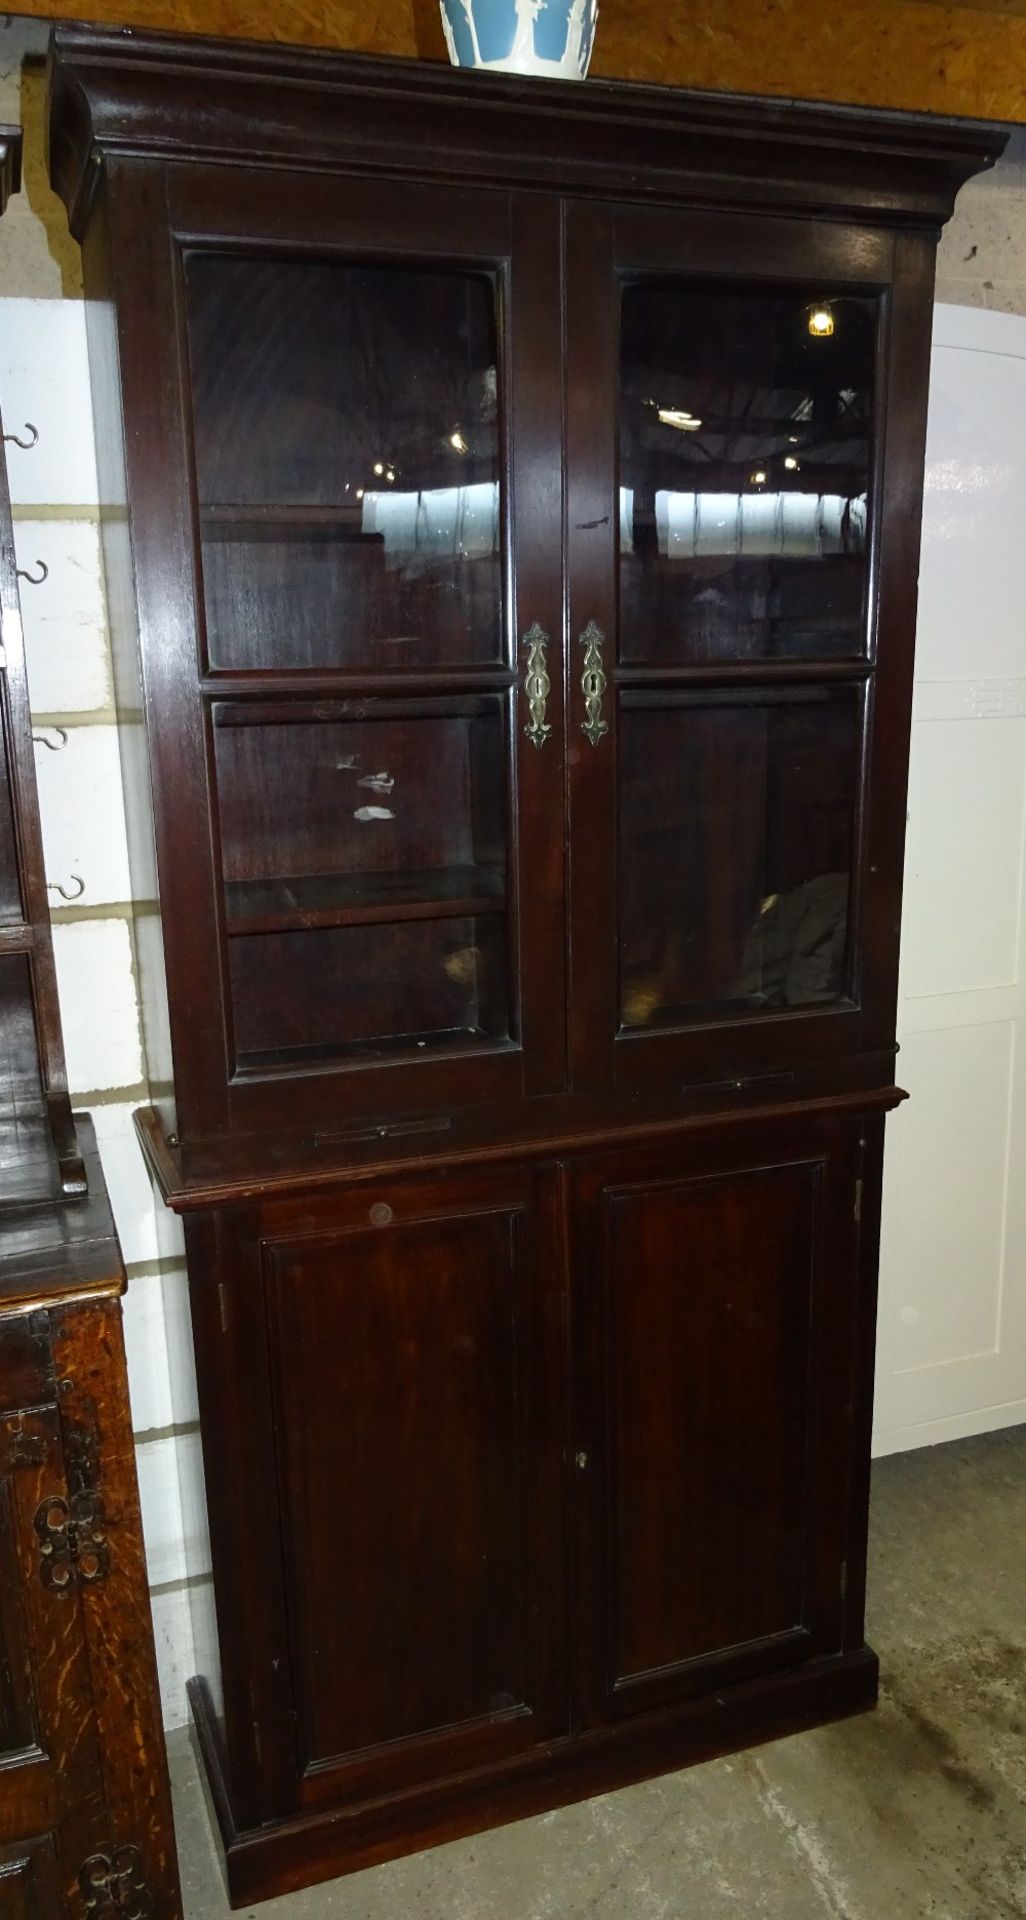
514	522
85	1813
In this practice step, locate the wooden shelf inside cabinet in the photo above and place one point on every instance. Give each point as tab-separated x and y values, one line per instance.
267	521
362	899
381	1046
20	937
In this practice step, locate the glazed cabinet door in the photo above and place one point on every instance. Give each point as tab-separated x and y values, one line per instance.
354	668
721	1403
743	514
53	1815
413	1458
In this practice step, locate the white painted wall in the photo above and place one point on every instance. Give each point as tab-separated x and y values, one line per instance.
953	1301
952	1339
44	379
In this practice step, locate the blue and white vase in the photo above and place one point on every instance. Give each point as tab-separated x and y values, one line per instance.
553	37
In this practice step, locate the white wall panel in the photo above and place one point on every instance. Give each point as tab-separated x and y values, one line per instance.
98	1005
952	1339
44	380
172	1636
176	1545
128	1183
64	619
973	583
146	1347
963	869
82	811
948	1200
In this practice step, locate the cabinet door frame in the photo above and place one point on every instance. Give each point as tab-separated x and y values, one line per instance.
839	1375
235	1262
607	244
158	211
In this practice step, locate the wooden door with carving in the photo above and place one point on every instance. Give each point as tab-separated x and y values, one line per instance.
49	1759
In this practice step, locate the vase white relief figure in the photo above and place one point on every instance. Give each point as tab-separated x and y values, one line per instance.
552	37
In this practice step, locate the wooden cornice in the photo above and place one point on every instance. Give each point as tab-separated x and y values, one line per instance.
156	96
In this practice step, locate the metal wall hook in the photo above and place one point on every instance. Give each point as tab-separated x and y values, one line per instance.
55	747
25	445
44	574
54	886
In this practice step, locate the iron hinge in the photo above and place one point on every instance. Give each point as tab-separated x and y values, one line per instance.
74	1549
114	1885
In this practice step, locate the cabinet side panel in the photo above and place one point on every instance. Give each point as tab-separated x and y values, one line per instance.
105	381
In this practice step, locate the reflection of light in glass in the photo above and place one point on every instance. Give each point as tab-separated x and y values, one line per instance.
379	468
792	525
680	418
791	463
457	441
821	322
759	477
460	523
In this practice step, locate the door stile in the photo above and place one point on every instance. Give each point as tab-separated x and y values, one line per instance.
591	349
535	489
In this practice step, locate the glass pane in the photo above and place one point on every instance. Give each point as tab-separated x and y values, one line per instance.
364	867
745	445
736	847
345	422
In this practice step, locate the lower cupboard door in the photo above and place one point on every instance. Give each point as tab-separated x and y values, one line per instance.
716	1320
416	1355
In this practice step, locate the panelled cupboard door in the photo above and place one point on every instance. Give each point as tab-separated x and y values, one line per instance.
363	638
416	1387
53	1815
715	1315
735	628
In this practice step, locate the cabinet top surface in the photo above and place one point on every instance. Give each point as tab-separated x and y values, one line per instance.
58	1249
150	95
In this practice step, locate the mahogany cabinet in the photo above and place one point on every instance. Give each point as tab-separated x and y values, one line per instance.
512	514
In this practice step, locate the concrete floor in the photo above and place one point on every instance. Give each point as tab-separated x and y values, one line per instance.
916	1810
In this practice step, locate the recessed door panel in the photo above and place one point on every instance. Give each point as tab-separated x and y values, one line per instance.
711	1296
419	1466
711	1411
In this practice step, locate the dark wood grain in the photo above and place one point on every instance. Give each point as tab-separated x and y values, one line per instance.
83	1756
215	100
96	1421
299	1853
530	1167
